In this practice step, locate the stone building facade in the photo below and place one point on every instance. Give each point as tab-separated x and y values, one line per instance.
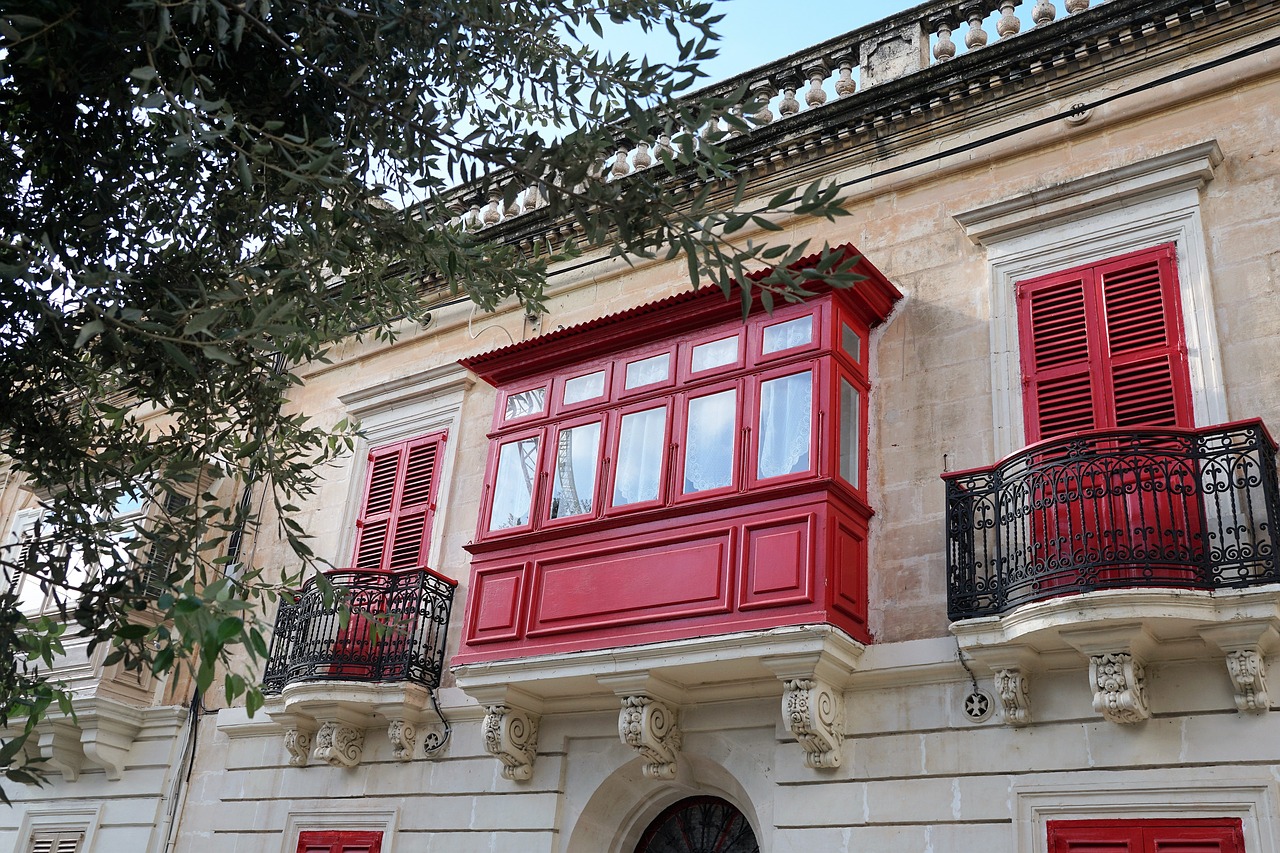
943	619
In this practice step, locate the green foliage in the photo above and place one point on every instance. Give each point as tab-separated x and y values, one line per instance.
199	195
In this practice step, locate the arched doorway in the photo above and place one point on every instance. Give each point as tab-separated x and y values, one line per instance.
699	825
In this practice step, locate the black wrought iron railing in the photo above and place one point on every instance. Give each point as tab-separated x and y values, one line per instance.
395	630
1190	508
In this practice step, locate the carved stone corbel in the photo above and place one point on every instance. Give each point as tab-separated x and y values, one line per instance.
1015	695
1119	687
1248	676
404	737
1246	644
107	732
339	743
511	735
297	742
814	713
60	746
651	727
1117	671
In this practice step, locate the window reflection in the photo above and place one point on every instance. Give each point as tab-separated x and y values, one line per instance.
529	402
513	492
793	333
647	371
848	432
850	342
786	408
641	443
714	354
708	460
582	388
573	490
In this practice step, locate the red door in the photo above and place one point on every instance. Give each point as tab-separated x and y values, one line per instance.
1210	835
339	842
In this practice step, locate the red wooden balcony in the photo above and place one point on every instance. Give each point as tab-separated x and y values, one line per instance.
1114	509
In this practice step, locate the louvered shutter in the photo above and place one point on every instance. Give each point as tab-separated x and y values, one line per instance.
1213	835
160	560
57	842
340	842
394	526
1102	346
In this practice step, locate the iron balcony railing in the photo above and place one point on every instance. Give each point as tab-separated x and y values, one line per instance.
1117	508
395	630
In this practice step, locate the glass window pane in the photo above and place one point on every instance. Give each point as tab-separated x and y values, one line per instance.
581	388
850	434
529	402
786	409
708	444
647	371
513	492
641	447
573	490
715	354
850	342
793	333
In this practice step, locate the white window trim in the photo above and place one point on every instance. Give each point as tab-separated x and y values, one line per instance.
1088	220
83	819
411	406
1143	798
331	820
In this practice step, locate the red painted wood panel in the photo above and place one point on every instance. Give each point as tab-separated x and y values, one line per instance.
496	597
667	578
1205	835
779	563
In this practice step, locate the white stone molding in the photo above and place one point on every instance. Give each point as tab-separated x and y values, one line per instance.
813	688
404	738
1015	696
1117	669
511	736
339	743
37	821
1090	219
60	747
1167	793
351	816
397	409
330	721
814	712
651	727
1245	644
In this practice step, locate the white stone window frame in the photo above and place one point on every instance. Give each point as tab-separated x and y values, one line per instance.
39	821
1091	219
331	820
1092	798
415	405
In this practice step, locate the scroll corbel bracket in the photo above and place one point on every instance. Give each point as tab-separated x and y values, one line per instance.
651	727
511	736
1117	670
339	743
814	712
1246	644
1013	687
297	742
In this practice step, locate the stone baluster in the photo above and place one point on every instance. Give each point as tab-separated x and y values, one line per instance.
1076	6
944	48
642	159
493	211
762	92
845	84
817	74
532	198
1043	13
977	36
513	208
472	221
621	166
665	150
789	106
1008	25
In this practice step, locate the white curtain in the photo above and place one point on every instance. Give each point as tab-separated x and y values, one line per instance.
786	412
638	469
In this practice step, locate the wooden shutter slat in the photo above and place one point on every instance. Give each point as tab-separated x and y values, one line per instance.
398	505
1135	308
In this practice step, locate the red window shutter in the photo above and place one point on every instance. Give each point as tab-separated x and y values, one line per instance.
399	503
1212	835
339	842
1102	346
